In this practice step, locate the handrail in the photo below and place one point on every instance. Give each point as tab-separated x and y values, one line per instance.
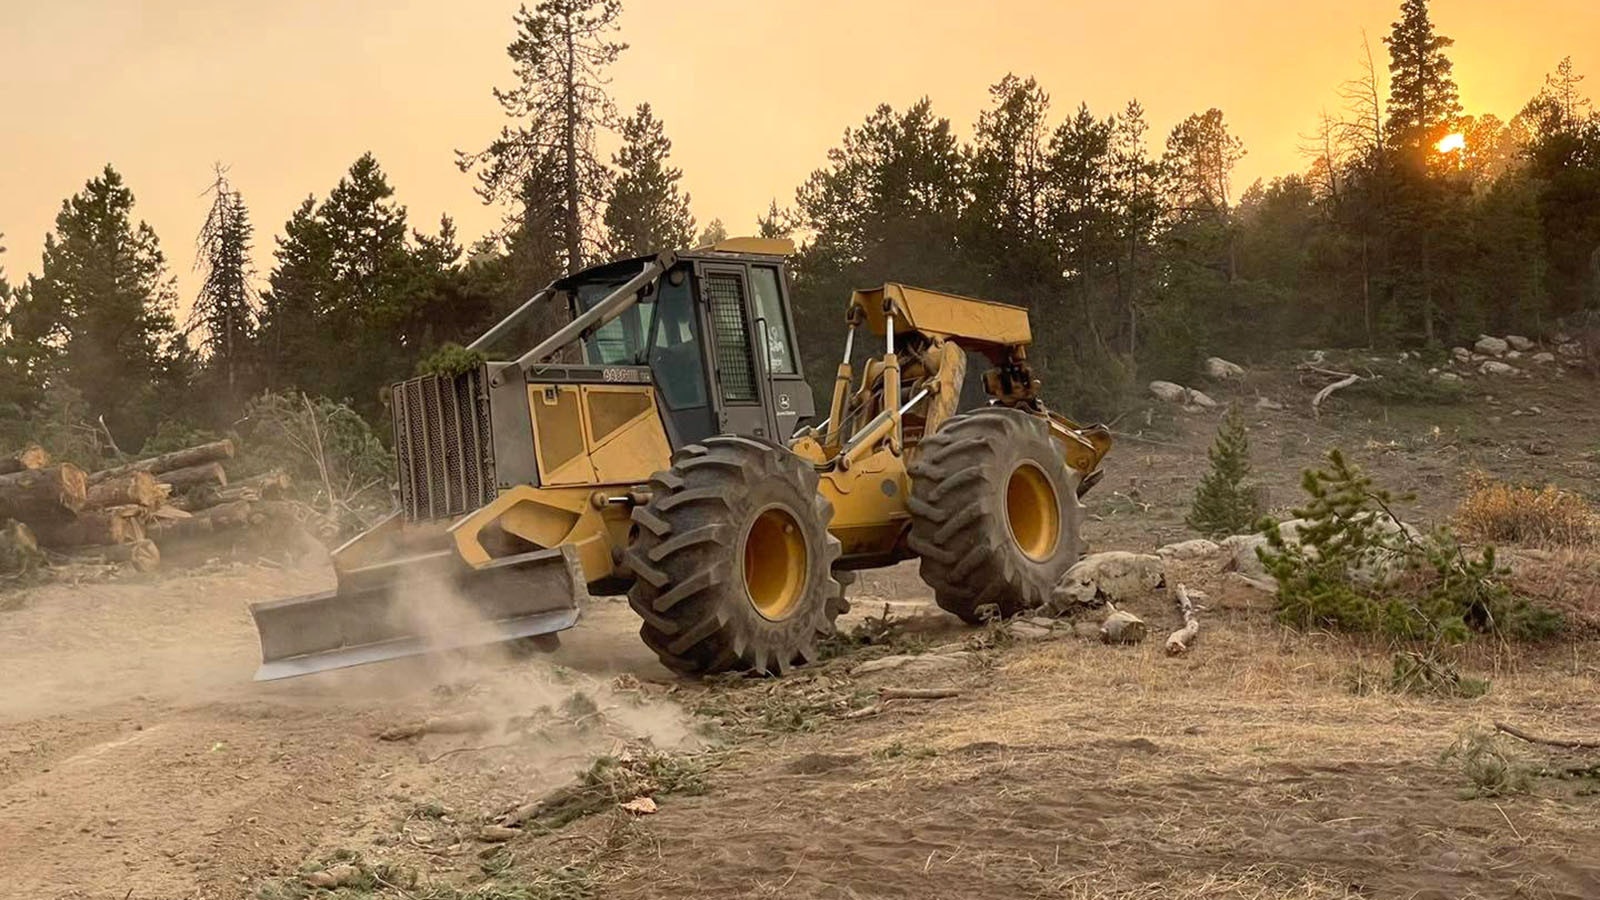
593	318
502	327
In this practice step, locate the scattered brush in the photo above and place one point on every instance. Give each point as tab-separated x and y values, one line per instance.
881	631
1430	674
1491	766
793	705
609	782
1418	673
1546	517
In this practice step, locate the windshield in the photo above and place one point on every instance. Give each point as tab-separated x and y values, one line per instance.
620	342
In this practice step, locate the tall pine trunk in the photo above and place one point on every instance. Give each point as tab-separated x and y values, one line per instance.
1427	287
569	136
1366	287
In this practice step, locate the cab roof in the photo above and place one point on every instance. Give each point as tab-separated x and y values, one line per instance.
622	269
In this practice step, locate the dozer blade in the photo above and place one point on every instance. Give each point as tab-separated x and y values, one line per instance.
419	604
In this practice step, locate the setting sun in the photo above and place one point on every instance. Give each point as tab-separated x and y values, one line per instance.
1452	143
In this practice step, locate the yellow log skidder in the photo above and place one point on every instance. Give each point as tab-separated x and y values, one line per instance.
672	463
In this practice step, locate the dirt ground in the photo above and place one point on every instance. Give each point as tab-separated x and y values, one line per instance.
137	760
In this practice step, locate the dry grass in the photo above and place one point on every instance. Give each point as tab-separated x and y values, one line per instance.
1547	517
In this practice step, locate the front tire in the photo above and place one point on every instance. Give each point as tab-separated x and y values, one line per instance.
732	560
994	513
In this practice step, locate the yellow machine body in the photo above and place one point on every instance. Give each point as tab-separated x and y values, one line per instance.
561	531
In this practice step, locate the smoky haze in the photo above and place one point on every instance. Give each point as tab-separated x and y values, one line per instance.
753	94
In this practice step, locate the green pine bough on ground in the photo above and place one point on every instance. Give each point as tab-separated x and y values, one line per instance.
1354	566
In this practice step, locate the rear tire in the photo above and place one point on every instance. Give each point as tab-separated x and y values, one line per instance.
732	560
994	513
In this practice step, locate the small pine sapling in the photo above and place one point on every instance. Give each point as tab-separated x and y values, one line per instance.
1225	502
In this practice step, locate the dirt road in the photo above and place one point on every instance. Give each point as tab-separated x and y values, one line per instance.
136	754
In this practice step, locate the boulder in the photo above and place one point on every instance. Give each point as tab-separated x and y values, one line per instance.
1112	575
1449	378
1543	358
1240	549
1167	392
1491	346
1243	559
1495	367
1570	349
1198	398
1199	548
1461	355
1513	354
1519	343
1219	369
1267	404
1122	627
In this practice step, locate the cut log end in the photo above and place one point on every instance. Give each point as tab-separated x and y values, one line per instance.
53	492
31	456
139	489
141	555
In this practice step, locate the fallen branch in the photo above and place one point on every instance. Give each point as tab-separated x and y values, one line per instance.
464	724
1549	742
1178	642
1325	393
456	750
917	693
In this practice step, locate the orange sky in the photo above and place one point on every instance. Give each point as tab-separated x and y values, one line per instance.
753	92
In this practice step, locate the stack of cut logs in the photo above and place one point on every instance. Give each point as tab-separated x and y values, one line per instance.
133	513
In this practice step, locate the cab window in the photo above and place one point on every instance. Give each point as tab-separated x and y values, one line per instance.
769	306
675	354
621	341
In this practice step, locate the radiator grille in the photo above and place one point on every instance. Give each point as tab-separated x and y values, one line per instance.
735	366
442	445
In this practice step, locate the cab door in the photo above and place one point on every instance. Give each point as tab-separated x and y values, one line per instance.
740	383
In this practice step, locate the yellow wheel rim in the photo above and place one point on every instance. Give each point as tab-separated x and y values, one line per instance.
775	563
1032	512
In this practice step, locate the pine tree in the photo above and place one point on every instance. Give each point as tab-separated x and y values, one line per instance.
344	307
17	390
1226	502
713	233
647	212
1424	106
774	223
559	104
225	308
100	314
1423	99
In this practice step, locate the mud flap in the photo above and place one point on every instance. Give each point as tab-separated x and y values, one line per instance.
416	605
